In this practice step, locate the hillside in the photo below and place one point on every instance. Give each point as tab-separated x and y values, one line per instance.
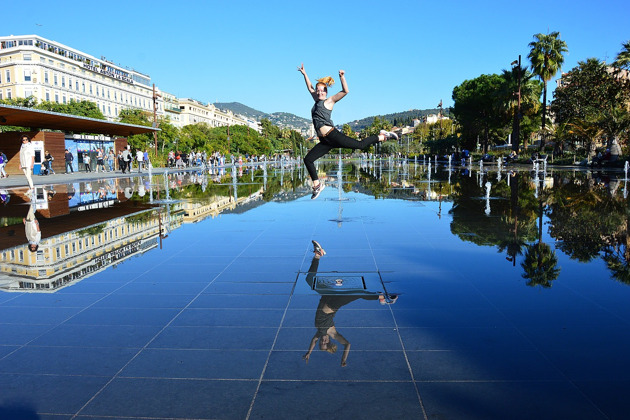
280	119
285	119
397	119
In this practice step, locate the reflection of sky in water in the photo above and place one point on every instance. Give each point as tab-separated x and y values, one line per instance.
497	304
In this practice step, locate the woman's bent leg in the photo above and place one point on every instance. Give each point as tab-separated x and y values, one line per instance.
319	150
337	138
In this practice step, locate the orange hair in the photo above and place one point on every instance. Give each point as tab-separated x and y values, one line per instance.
328	81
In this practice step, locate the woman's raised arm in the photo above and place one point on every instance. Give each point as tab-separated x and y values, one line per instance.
344	88
309	85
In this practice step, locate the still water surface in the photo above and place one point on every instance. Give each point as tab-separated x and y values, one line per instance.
459	292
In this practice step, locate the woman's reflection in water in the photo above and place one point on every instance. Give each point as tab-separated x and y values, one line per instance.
327	309
31	228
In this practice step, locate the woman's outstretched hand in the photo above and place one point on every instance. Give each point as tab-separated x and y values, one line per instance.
301	68
341	73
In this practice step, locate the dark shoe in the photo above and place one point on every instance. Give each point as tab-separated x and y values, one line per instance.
317	249
389	135
317	190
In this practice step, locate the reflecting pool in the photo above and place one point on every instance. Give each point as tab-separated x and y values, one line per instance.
405	290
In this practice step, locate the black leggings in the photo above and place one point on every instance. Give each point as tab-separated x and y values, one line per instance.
333	139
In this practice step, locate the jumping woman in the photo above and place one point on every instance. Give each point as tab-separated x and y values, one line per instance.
329	136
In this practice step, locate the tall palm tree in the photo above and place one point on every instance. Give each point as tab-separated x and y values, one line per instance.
546	56
623	58
530	95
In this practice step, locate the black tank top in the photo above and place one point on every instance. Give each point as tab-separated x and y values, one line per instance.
321	116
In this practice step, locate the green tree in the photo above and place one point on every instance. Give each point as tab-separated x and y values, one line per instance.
478	109
81	108
137	117
593	99
546	56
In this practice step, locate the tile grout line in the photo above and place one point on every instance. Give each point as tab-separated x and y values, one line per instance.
117	374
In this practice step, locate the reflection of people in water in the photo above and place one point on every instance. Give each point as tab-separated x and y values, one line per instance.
31	228
327	309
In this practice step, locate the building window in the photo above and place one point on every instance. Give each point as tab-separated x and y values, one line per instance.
8	93
27	57
69	83
56	97
27	75
7	76
63	81
55	82
46	77
64	98
83	84
76	85
47	96
28	92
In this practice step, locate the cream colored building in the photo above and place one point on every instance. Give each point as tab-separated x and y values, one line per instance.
50	71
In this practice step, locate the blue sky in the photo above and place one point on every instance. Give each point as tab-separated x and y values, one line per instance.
398	55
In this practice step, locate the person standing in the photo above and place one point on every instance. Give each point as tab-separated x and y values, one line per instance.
86	162
140	159
128	158
27	159
3	162
48	160
110	160
69	157
100	160
121	161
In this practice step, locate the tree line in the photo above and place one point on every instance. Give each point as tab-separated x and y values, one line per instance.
591	104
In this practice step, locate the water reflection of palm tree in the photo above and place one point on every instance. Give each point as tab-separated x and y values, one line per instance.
540	264
617	255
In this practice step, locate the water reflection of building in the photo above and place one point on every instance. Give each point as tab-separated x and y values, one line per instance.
197	211
71	256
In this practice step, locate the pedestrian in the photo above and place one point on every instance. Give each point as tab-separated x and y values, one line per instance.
3	162
27	159
121	161
128	159
329	136
31	229
69	157
110	160
48	160
86	162
100	160
140	159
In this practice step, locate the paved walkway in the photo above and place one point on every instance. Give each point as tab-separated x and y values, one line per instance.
19	180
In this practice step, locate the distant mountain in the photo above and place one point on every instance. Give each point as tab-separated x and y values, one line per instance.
399	119
280	119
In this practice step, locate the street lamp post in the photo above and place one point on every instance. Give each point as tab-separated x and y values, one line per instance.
516	137
155	121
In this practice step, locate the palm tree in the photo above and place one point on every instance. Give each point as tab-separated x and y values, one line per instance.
530	95
623	58
546	58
